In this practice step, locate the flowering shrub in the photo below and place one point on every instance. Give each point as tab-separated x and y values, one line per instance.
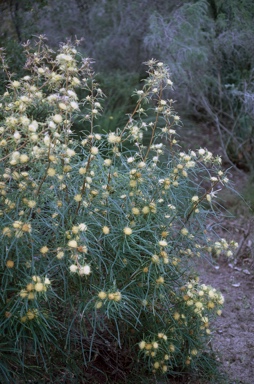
98	233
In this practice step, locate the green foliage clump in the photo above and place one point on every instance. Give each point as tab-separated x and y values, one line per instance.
99	233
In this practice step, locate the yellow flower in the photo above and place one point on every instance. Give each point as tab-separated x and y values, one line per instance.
17	224
23	158
127	231
107	162
30	287
30	315
44	249
26	227
133	183
78	198
51	172
176	316
99	304
105	230
82	171
85	270
102	295
113	138
9	264
142	344
135	211
60	255
72	244
94	150
23	293
155	259
62	106
160	280
146	210
184	231
6	231
31	203
117	296
39	287
57	119
73	268
163	243
199	305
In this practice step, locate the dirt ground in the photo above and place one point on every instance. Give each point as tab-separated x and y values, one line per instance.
233	339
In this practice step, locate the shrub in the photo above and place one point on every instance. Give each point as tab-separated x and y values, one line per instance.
99	234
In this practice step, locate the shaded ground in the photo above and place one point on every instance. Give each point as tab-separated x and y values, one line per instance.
234	336
233	339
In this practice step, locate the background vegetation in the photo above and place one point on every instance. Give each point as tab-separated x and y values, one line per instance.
206	43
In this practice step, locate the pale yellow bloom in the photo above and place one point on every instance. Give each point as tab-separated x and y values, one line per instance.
127	231
57	119
85	270
102	295
44	249
135	211
39	287
51	172
72	244
78	198
105	230
73	268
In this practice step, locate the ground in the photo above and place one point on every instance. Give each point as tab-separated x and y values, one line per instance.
233	339
233	336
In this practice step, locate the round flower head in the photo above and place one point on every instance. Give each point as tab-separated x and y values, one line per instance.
57	119
85	270
102	295
94	150
142	344
184	231
78	198
9	264
105	230
107	162
51	172
135	211
113	138
82	227
127	231
39	287
72	244
44	250
73	268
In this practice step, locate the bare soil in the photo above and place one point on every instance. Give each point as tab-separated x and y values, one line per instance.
233	338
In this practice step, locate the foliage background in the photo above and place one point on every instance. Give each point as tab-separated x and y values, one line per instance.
206	43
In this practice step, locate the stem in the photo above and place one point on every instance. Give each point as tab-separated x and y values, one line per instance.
84	183
154	128
199	201
45	175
